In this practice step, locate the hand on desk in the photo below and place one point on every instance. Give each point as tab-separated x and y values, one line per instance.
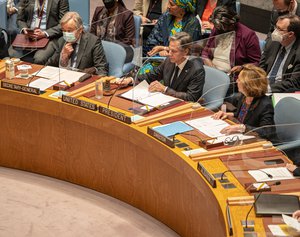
239	128
124	81
156	87
222	115
291	167
296	215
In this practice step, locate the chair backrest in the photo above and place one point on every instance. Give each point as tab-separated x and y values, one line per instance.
287	111
115	56
3	14
83	8
137	24
215	87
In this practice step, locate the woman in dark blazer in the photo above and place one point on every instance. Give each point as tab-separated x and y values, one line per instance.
254	110
114	22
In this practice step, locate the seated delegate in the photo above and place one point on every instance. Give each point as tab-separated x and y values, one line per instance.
254	110
114	22
179	75
78	50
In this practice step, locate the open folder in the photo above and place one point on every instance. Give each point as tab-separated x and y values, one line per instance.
141	94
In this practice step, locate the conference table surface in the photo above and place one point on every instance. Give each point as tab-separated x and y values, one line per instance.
44	135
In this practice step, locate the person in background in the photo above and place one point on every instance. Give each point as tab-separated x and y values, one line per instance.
281	57
12	13
226	50
179	75
179	17
78	50
149	11
43	17
206	7
114	22
253	108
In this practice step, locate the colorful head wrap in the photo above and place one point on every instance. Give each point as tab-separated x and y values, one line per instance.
188	5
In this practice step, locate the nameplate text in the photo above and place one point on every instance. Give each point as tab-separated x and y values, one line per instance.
79	103
169	142
210	179
21	88
114	114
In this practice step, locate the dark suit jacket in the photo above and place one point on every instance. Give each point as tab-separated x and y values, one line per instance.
289	83
189	84
124	24
201	4
245	48
260	113
90	54
56	9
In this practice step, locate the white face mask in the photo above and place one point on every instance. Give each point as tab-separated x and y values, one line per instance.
69	37
276	36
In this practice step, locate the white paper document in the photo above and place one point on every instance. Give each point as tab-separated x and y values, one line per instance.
279	173
141	94
42	83
59	74
209	126
195	151
292	222
276	230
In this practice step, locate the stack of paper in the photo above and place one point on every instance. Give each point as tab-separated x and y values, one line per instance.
279	173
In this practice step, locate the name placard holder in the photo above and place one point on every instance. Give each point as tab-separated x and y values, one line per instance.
169	142
210	179
21	88
79	103
114	114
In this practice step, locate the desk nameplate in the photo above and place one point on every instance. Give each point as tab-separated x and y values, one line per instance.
210	179
21	88
79	103
114	114
169	142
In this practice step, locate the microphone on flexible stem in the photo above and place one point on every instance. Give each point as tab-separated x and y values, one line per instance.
222	175
250	229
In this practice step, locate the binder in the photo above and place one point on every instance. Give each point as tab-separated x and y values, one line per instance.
24	42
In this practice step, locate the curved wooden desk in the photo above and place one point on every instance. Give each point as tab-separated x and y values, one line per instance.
52	138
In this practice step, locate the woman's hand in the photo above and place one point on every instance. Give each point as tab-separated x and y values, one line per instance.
296	215
291	167
124	81
220	115
239	128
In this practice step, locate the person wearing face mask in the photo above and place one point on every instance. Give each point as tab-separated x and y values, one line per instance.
283	7
78	50
114	22
225	50
281	57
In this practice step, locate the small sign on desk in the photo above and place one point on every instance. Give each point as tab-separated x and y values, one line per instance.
79	103
21	88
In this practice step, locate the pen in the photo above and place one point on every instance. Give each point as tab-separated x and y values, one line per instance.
67	83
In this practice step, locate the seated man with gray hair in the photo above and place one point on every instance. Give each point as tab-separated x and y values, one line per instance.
179	75
78	50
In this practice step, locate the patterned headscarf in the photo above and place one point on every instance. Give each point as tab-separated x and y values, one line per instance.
188	5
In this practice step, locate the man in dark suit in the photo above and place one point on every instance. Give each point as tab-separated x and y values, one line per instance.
43	16
281	57
283	7
77	49
179	75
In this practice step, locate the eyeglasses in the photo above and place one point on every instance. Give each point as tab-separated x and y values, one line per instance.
277	28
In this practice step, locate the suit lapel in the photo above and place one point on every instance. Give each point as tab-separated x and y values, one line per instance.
48	10
82	46
177	81
273	56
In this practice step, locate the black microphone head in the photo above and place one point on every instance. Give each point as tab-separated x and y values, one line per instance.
277	183
270	176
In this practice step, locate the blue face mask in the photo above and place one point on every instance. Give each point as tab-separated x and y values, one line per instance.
69	36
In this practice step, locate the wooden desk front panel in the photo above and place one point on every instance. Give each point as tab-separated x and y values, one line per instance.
72	144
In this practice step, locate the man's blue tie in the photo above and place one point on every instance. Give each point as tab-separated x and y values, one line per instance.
277	64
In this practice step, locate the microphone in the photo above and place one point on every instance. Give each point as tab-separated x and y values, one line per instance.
36	73
246	228
222	175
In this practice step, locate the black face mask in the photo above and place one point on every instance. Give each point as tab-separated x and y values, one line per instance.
109	3
282	13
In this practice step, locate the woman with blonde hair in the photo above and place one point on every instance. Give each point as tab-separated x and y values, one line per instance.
253	108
